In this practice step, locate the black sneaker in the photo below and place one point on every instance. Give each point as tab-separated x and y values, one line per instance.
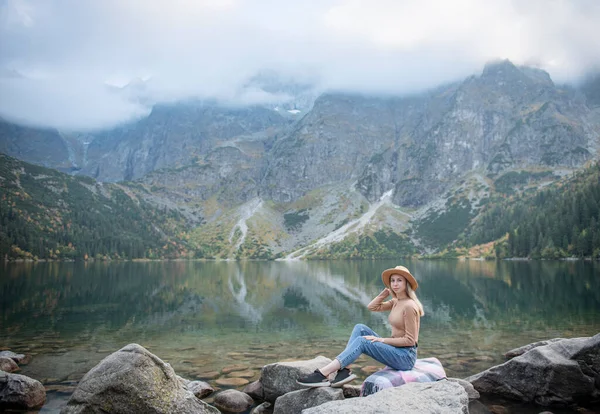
316	379
342	377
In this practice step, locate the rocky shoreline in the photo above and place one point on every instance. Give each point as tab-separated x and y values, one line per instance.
553	373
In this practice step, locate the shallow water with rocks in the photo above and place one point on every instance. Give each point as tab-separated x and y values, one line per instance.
220	322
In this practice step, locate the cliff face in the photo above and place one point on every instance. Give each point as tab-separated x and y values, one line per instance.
173	136
44	147
508	117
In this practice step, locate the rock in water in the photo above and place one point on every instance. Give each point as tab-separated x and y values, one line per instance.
133	380
8	365
560	373
522	349
18	358
200	389
233	401
20	392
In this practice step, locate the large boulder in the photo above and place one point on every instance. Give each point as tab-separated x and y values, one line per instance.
20	392
413	398
560	373
525	348
296	401
134	380
280	378
471	391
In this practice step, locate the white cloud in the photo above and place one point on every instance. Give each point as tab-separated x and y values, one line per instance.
69	49
17	13
550	33
67	102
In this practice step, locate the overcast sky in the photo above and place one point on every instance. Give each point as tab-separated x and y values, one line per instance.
58	56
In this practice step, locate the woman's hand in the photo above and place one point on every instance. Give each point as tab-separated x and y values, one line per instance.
384	293
373	338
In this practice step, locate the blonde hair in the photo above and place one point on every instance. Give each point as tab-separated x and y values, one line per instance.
411	294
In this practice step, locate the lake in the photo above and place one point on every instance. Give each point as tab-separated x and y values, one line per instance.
202	317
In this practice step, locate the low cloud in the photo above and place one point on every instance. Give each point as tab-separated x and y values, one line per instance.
59	58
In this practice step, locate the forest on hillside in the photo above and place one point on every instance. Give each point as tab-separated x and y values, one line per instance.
45	214
558	221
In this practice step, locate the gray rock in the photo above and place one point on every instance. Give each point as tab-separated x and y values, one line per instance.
18	358
562	372
173	135
183	380
36	145
471	391
414	398
264	408
133	380
505	118
200	389
255	390
280	378
20	392
8	365
521	350
233	401
351	391
296	401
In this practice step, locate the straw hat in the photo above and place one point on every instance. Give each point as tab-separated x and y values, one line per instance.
402	271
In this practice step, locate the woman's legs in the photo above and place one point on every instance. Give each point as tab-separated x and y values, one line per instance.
394	357
358	331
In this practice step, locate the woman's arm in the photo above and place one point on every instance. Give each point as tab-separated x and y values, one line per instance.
378	305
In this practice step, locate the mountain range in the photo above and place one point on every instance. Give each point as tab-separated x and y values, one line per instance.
336	174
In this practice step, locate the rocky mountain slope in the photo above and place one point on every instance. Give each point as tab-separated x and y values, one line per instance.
385	175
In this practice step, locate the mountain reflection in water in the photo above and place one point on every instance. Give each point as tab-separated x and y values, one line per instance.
202	316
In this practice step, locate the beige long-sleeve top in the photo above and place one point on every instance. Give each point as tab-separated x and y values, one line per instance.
404	318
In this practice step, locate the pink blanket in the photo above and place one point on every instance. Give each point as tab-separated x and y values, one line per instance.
425	370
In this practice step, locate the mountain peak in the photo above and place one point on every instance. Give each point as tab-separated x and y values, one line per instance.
499	67
506	71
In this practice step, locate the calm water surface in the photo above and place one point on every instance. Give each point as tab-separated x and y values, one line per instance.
202	317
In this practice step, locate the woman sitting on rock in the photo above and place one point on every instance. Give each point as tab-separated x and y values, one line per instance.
398	351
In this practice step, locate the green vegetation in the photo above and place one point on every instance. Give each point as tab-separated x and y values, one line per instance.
252	248
45	214
507	182
559	221
294	221
443	228
383	244
210	242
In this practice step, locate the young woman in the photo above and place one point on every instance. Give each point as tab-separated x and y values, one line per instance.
398	351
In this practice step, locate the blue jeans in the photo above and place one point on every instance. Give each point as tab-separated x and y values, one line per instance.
401	358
